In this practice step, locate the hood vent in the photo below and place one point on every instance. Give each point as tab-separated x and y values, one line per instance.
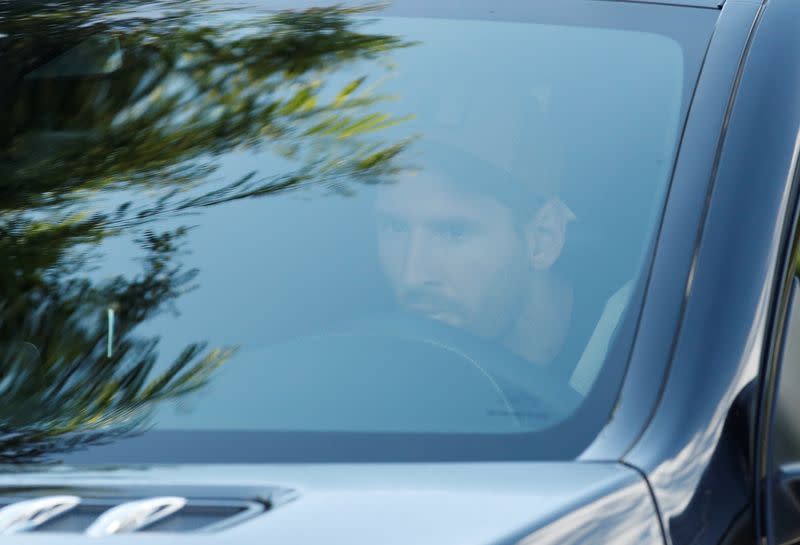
29	514
134	515
98	517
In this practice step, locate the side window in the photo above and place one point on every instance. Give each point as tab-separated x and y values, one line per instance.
786	424
783	489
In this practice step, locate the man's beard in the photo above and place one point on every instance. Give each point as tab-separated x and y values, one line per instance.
431	303
496	315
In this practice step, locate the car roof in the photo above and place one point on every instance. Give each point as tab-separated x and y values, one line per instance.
711	4
279	4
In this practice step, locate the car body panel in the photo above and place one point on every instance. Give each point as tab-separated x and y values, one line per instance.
389	503
626	516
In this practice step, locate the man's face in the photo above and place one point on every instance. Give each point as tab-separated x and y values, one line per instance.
452	255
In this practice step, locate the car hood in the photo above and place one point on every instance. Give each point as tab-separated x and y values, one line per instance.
459	504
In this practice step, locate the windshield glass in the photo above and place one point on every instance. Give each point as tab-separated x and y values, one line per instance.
239	234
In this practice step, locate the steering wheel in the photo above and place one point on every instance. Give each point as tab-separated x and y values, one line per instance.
525	387
388	373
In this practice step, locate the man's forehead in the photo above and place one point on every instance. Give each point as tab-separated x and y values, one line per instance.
428	194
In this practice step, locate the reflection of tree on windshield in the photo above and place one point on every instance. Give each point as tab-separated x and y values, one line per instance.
185	90
141	107
61	387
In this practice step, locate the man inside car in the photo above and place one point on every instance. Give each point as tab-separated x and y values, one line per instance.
464	242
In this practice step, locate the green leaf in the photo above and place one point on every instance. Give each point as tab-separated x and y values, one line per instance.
348	90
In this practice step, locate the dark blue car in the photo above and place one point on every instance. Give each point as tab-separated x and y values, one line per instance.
472	272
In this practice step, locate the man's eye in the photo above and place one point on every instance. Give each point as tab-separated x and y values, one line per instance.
393	226
452	232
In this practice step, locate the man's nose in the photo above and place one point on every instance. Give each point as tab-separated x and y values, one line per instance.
420	261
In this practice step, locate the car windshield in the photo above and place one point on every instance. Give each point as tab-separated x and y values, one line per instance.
328	233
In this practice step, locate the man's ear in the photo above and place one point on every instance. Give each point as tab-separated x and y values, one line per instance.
546	234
